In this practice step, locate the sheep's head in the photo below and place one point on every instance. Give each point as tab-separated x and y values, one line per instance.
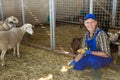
28	28
11	21
113	37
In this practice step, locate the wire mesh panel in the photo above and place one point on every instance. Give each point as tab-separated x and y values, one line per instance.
107	12
37	13
71	10
12	8
69	18
103	11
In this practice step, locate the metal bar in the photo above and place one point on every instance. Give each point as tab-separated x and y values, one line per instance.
52	22
23	11
114	8
91	7
1	10
56	51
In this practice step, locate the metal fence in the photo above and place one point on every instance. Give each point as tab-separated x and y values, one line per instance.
39	12
72	11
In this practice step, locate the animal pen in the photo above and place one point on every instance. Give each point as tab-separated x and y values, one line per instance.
58	21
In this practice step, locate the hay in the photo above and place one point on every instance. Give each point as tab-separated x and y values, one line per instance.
38	63
64	33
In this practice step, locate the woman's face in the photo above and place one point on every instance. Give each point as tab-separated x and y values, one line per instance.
90	24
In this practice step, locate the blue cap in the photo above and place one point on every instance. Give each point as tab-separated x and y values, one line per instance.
90	16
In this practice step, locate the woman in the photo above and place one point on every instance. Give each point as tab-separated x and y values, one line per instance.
95	51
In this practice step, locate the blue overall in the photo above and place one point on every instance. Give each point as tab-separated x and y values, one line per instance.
89	60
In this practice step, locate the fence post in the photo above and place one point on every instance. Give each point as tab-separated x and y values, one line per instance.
1	10
91	7
23	11
52	22
114	8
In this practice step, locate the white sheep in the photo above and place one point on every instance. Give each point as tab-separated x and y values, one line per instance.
9	23
12	38
114	37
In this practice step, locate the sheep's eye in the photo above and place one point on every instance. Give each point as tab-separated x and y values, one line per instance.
27	27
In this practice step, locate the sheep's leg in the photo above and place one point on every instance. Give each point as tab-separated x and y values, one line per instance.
2	57
14	51
119	50
18	52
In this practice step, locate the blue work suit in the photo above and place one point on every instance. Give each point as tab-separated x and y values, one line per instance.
93	61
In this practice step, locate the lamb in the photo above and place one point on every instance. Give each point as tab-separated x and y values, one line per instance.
75	45
9	23
12	38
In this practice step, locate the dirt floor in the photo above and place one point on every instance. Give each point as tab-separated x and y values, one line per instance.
36	64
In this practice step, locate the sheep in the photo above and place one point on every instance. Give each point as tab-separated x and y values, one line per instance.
114	37
9	23
12	38
75	45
